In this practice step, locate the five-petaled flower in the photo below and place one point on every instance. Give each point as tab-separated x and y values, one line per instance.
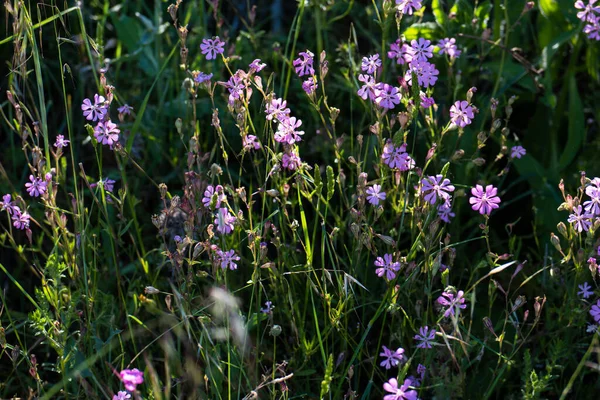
212	47
224	221
581	220
435	187
391	358
484	201
584	290
304	63
402	392
421	50
20	219
370	87
7	204
595	311
291	160
397	157
452	303
517	152
36	187
286	131
227	259
448	46
461	113
370	64
408	7
106	132
425	337
96	111
375	195
387	266
387	96
122	395
61	142
131	378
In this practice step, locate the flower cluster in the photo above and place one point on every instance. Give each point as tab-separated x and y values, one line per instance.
582	218
590	15
106	132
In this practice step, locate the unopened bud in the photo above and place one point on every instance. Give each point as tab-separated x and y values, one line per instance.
479	161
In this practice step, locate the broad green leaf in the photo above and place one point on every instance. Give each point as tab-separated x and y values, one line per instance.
426	30
576	129
438	12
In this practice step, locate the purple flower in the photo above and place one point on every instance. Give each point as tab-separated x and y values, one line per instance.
370	64
369	88
61	142
452	303
595	311
461	113
484	201
593	28
435	187
399	393
592	206
584	290
445	212
125	109
20	219
408	7
122	395
387	267
227	259
109	184
391	358
256	66
374	194
224	221
587	10
425	337
448	46
131	378
212	47
426	73
106	132
201	77
304	63
387	96
251	142
421	370
268	308
96	111
517	152
209	193
426	102
291	160
286	131
591	328
397	157
7	204
421	50
277	109
235	85
581	220
36	187
310	86
400	52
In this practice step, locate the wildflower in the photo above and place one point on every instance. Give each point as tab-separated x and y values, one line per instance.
370	64
425	337
209	193
268	308
484	201
310	86
125	109
426	73
517	152
256	66
595	311
387	96
122	395
374	195
421	49
20	219
581	220
400	52
587	10
387	267
277	109
391	358
448	46
7	204
131	378
421	370
399	393
369	88
286	131
437	186
592	206
452	302
224	221
61	142
591	328
585	291
227	259
593	28
96	111
304	63
235	85
106	132
397	157
445	212
251	142
36	187
201	77
291	160
426	102
408	7
212	47
461	113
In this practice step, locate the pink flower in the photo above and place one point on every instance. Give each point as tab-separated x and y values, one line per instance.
517	152
224	221
277	109
421	50
251	142
397	157
61	142
131	378
452	303
408	7
426	102
484	201
448	46
387	267
461	113
391	358
210	192
287	133
310	86
212	47
400	52
20	219
370	64
369	88
36	187
106	132
399	393
227	259
96	111
7	204
304	63
435	187
592	206
595	311
256	66
587	10
374	194
387	96
593	28
122	395
291	160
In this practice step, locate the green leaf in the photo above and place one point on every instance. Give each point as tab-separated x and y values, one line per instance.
576	129
426	30
438	12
